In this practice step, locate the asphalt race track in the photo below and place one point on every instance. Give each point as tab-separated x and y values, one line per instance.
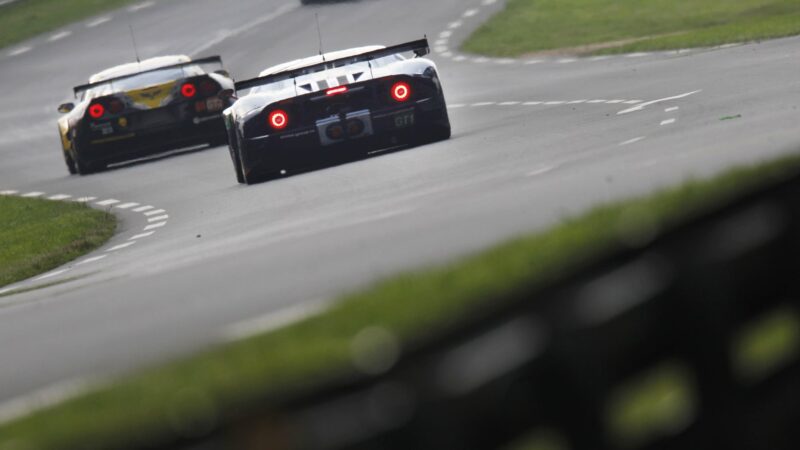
535	140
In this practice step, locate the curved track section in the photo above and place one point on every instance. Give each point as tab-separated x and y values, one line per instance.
533	142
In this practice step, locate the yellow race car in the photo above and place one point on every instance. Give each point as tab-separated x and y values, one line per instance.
142	108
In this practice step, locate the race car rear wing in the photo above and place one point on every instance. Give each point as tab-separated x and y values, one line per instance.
201	61
419	47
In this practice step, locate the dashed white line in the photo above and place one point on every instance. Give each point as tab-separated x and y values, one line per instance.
154	212
8	192
642	106
632	102
19	51
51	274
154	226
59	197
59	36
566	60
575	102
674	108
85	199
98	21
483	103
107	202
143	235
141	6
597	101
158	218
614	102
456	24
445	34
540	171
457	105
558	102
33	194
509	103
632	141
91	260
272	320
532	103
120	246
470	12
533	61
57	393
667	122
142	208
636	55
127	205
488	2
481	60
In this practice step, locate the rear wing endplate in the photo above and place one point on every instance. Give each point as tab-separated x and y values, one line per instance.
419	47
207	60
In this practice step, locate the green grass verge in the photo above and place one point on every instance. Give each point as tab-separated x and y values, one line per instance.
24	19
409	306
620	26
39	235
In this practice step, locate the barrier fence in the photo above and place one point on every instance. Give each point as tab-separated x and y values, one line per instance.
688	342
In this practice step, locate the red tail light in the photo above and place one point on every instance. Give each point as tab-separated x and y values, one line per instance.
336	90
208	87
188	90
116	106
278	119
96	110
401	91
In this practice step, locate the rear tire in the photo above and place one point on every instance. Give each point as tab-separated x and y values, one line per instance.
70	164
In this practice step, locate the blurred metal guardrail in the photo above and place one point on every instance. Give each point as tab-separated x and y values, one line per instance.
690	341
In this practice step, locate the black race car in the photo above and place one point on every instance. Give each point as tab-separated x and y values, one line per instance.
329	107
141	108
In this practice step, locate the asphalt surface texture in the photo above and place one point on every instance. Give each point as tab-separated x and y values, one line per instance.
535	140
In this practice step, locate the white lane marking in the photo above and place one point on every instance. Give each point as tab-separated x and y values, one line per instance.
481	60
59	36
445	34
667	122
85	199
273	321
455	24
19	51
636	55
441	42
457	105
632	102
440	49
51	274
470	12
141	6
143	235
158	218
597	101
121	246
532	103
460	58
642	106
33	194
533	61
558	102
154	226
91	260
154	212
142	208
488	2
599	58
59	197
632	141
614	102
566	60
9	192
540	171
509	103
447	54
98	21
506	61
43	398
575	102
227	34
127	205
674	108
3	291
107	202
483	104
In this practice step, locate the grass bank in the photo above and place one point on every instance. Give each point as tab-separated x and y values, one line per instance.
24	19
39	235
292	358
620	26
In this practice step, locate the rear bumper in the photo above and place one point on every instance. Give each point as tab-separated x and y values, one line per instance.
307	147
123	145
